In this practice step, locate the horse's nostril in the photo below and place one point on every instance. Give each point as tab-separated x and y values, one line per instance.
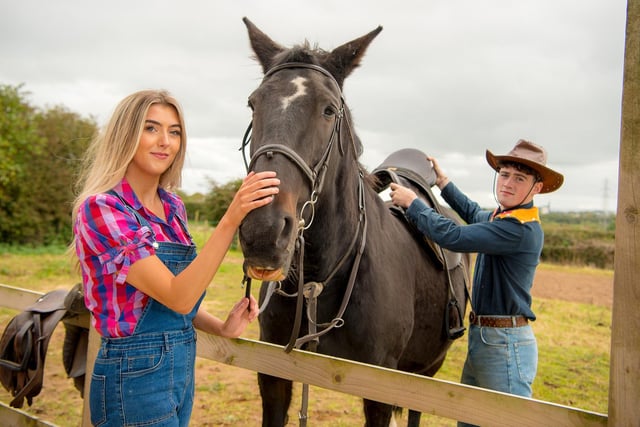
285	233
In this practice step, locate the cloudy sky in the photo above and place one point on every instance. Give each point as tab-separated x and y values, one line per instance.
451	78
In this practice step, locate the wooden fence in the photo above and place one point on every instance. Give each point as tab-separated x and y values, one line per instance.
432	396
447	399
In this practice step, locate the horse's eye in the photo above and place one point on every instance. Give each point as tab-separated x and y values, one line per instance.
329	111
249	104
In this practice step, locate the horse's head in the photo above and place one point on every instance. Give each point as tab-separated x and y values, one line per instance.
300	130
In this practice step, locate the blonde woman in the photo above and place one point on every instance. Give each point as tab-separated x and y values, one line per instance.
143	280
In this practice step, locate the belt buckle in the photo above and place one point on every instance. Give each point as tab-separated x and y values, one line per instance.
472	318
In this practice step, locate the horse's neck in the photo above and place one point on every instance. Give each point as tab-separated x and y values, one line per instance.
337	223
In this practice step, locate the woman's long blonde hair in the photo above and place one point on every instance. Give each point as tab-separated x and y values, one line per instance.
111	151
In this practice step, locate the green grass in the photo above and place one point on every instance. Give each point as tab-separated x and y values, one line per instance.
573	362
31	250
573	339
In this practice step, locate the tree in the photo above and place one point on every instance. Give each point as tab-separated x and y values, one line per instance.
219	198
53	172
195	204
39	157
18	140
17	134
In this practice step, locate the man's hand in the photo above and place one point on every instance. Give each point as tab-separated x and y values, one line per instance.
441	179
401	196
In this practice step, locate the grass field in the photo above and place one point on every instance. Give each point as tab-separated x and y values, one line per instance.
573	339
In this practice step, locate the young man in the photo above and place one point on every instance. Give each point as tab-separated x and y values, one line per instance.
502	352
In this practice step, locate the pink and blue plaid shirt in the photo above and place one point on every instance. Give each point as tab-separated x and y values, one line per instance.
109	239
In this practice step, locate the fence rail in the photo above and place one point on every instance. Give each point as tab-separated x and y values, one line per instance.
12	417
428	395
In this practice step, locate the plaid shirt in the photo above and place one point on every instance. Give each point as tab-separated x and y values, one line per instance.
109	240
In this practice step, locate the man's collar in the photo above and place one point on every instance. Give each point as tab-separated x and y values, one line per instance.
524	213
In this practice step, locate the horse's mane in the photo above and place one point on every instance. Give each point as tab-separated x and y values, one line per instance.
370	179
304	53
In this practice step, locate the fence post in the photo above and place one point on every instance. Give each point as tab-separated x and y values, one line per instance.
624	386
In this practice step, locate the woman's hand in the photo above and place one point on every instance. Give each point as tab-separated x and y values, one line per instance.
243	313
257	189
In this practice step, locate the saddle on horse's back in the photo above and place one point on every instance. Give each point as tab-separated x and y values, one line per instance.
410	168
24	343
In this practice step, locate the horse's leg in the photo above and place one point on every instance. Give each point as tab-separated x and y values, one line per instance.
376	414
414	418
276	398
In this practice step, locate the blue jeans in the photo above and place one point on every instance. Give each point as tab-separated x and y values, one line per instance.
501	359
144	380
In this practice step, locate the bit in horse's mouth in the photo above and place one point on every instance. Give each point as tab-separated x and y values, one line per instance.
265	274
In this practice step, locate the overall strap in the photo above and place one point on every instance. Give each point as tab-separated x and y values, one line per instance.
141	220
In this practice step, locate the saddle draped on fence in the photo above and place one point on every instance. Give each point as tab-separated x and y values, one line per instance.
24	343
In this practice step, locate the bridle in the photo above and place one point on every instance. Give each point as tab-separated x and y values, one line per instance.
316	175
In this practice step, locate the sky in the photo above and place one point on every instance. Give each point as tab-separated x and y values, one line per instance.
450	78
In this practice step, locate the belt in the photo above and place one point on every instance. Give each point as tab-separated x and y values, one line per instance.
498	321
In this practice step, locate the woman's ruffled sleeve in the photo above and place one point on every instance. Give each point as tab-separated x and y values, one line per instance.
118	259
112	235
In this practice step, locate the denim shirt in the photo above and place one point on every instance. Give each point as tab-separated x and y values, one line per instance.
508	246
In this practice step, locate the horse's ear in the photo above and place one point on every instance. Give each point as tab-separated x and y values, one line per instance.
264	48
344	59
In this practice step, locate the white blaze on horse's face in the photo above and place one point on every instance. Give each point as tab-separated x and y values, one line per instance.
298	82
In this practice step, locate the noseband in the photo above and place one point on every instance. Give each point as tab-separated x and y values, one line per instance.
315	175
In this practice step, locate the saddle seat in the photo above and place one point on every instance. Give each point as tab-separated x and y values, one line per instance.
410	168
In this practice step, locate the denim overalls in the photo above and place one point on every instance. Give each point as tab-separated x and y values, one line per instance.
147	378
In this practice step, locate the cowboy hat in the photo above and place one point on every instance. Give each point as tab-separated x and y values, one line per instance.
533	156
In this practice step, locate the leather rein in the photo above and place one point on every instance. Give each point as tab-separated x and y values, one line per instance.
316	174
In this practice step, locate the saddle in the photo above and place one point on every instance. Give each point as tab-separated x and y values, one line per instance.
24	343
410	168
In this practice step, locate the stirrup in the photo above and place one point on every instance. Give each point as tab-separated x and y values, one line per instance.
454	332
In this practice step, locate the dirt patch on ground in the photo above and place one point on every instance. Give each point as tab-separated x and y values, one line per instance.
566	285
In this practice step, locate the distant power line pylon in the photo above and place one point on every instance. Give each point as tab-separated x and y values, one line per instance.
605	200
605	195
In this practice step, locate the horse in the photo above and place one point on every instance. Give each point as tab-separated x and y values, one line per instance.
329	245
